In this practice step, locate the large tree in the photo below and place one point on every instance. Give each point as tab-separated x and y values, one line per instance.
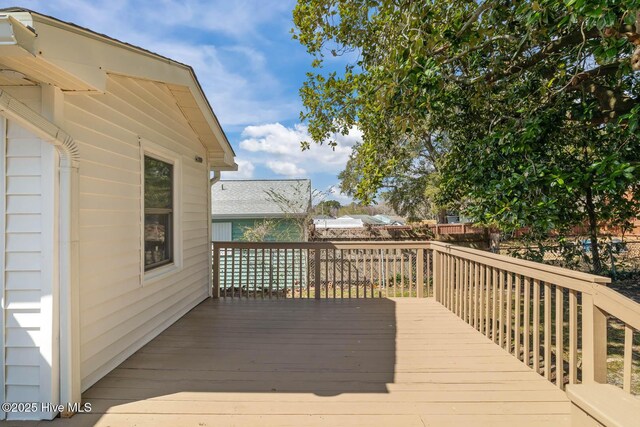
527	110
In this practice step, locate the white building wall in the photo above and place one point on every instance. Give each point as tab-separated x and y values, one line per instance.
119	311
29	274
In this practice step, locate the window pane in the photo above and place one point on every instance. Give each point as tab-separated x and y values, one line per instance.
158	178
158	208
157	240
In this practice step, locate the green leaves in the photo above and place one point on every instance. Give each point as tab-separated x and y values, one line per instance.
519	108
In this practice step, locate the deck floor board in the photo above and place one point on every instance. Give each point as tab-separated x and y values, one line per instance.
375	362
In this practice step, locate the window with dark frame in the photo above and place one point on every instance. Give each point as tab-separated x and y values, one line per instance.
158	213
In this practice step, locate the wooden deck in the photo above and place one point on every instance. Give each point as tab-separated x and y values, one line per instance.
400	362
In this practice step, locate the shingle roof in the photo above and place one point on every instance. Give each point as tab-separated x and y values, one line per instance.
260	198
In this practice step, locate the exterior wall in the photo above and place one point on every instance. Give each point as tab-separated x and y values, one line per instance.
285	230
29	273
119	310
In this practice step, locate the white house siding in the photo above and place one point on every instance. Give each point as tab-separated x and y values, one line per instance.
28	267
118	311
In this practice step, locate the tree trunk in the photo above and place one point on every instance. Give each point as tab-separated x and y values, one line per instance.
593	233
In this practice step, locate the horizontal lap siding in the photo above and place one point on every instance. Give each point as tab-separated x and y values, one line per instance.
24	271
118	313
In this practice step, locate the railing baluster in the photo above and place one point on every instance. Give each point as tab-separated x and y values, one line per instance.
278	275
270	273
456	297
335	280
628	358
527	321
316	272
341	273
517	323
559	337
483	274
494	308
430	280
410	262
573	337
308	273
509	310
221	262
216	272
326	273
300	264
464	294
349	268
487	317
401	274
476	300
501	313
285	269
449	282
372	271
547	330
536	326
262	272
472	294
395	272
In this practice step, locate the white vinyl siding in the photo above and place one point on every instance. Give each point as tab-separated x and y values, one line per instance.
118	314
221	231
28	267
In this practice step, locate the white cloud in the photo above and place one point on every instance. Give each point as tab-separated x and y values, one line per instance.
286	169
245	170
235	73
279	144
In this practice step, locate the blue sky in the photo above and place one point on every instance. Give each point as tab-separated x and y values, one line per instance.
247	62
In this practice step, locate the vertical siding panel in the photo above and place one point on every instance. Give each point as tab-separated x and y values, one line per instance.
49	325
21	267
3	202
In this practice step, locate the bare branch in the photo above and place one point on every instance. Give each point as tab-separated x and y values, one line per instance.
474	17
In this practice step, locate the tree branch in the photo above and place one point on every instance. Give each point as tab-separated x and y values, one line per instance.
553	47
603	70
474	17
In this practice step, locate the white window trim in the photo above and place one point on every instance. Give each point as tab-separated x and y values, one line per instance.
151	149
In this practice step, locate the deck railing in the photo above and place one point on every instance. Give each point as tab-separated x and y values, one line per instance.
321	270
552	319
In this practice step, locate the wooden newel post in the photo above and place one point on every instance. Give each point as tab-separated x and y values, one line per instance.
316	267
437	273
215	293
420	273
594	342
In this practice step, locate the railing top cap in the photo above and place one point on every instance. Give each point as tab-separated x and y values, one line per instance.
564	272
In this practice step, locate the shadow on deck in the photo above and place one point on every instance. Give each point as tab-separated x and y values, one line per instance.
403	362
304	346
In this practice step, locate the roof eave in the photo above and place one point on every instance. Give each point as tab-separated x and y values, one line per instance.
93	78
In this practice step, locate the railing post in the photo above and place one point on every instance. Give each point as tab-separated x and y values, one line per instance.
420	273
316	265
437	273
594	342
215	292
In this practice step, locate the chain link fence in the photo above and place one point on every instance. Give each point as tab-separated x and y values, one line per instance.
620	258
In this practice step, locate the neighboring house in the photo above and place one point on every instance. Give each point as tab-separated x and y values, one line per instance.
342	222
107	150
390	219
274	210
354	221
